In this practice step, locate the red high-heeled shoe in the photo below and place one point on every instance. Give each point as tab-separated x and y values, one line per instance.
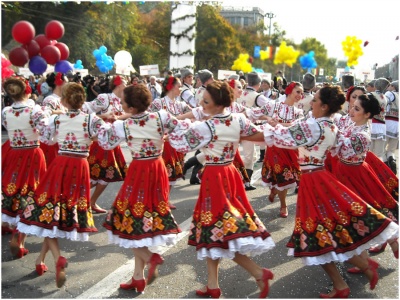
153	263
283	212
338	294
371	262
62	263
375	277
40	269
378	249
139	285
213	293
15	245
395	252
6	230
267	275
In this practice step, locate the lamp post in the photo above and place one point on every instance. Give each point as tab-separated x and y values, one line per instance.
270	15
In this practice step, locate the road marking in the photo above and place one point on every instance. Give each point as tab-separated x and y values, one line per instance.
110	284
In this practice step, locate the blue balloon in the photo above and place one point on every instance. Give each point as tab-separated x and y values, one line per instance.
79	62
103	69
103	49
63	66
37	65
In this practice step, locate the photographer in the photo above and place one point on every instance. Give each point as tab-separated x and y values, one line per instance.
92	88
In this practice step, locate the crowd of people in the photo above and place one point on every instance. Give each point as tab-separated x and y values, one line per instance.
335	144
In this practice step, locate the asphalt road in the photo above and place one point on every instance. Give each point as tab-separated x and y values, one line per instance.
96	268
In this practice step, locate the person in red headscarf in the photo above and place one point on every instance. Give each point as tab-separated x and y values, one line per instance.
281	170
106	165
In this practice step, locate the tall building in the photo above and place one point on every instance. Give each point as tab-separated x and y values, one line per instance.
243	16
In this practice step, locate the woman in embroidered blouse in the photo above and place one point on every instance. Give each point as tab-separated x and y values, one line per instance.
56	82
170	102
60	207
143	197
197	113
280	169
332	223
224	223
23	165
106	165
351	168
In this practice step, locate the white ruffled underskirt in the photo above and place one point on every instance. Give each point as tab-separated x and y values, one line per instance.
390	232
156	241
73	235
378	131
247	246
102	182
392	129
279	188
10	220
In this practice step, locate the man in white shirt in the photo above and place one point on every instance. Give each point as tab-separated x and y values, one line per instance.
154	88
187	90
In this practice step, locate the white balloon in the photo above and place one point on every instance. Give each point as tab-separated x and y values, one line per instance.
123	58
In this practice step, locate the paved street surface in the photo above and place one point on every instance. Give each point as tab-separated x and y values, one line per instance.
96	268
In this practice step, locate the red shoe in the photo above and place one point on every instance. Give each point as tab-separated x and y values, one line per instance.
283	212
338	294
15	245
154	261
139	285
395	252
378	249
171	206
375	277
371	262
213	293
62	263
271	196
40	269
267	275
22	252
98	209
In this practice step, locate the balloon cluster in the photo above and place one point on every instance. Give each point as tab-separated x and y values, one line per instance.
264	54
40	50
286	54
5	70
103	61
78	65
307	61
257	70
352	49
242	64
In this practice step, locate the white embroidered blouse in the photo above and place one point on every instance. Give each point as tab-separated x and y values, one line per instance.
219	137
279	111
104	103
175	108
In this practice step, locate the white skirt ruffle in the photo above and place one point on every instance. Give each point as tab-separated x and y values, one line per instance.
156	241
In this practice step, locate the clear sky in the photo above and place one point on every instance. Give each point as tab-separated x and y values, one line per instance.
330	21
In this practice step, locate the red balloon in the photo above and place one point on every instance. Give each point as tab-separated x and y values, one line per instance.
23	32
51	54
366	43
33	48
53	42
63	49
18	56
42	40
54	30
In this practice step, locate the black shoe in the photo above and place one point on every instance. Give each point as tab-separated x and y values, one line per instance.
392	164
262	154
249	187
296	190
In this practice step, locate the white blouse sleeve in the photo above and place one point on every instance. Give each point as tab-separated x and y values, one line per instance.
95	124
49	132
97	105
185	138
354	145
266	110
111	135
302	133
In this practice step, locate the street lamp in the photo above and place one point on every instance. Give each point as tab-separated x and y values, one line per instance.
270	15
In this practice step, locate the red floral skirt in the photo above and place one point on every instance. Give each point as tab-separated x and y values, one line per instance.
332	223
4	149
362	180
280	168
50	152
223	214
62	200
173	161
330	161
384	173
22	171
141	209
106	165
239	165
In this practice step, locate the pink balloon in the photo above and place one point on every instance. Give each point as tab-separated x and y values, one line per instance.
54	30
51	54
33	48
23	32
63	49
18	56
42	40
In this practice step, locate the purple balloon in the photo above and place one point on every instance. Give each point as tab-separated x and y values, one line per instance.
63	66
37	65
